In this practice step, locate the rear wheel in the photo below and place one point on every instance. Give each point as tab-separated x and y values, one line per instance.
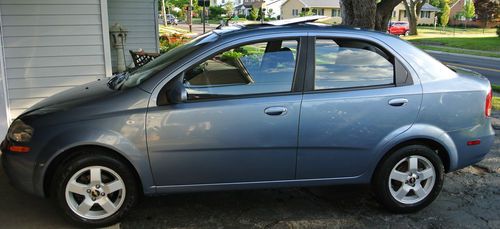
95	189
409	179
407	33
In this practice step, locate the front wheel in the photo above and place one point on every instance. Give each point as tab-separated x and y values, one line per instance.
95	189
409	179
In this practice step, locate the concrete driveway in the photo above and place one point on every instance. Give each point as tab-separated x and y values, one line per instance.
470	199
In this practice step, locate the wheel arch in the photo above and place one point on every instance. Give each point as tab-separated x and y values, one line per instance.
66	155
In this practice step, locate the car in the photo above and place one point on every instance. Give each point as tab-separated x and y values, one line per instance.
278	104
399	28
171	19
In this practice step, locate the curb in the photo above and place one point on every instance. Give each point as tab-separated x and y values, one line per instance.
463	55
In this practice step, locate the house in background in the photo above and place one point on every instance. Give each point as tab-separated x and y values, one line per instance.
427	14
48	46
330	8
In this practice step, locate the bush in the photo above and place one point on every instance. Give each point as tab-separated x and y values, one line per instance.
498	30
216	12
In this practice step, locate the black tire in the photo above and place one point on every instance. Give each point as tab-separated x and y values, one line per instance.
95	157
381	179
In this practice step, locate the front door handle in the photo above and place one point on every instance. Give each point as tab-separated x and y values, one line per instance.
275	111
398	102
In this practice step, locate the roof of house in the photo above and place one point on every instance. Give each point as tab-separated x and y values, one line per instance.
320	3
429	7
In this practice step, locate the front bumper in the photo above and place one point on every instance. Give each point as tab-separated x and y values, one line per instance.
19	168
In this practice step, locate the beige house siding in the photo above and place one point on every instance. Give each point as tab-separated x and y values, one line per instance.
398	14
290	5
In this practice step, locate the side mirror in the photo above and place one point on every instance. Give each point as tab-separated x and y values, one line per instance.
176	92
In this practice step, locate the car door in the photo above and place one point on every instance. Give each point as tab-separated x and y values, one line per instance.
240	120
358	96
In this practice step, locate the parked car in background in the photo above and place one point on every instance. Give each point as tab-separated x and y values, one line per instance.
278	104
171	19
399	28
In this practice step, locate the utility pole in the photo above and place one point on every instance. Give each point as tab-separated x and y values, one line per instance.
163	12
190	16
203	15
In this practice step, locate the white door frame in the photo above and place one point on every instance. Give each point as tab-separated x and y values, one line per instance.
4	99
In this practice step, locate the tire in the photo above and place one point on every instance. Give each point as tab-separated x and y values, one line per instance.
81	194
403	189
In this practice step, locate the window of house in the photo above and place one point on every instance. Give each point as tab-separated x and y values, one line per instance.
394	13
336	13
265	67
295	12
404	14
350	63
425	14
318	11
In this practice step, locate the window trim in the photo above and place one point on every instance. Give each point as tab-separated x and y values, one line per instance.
398	67
297	80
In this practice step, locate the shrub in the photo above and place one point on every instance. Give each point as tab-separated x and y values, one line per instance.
498	30
216	12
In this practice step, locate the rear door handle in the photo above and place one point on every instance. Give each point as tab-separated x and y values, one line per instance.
398	102
275	111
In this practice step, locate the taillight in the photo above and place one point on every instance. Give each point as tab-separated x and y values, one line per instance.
487	108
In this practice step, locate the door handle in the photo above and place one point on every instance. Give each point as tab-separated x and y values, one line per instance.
275	111
398	102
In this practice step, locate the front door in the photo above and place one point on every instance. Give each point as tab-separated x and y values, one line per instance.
240	121
358	96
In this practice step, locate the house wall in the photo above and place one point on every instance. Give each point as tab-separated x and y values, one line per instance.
50	46
400	16
139	17
288	6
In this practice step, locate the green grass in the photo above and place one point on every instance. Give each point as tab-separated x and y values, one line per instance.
495	88
459	51
473	43
496	103
456	31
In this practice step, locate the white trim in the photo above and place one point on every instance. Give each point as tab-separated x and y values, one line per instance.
105	38
4	103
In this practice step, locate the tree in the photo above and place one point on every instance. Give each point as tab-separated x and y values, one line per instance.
413	8
445	16
487	10
229	7
358	13
306	12
254	14
270	13
469	11
384	13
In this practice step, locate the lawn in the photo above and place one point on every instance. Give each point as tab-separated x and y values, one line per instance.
474	43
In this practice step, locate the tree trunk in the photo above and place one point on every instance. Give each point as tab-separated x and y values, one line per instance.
384	13
358	13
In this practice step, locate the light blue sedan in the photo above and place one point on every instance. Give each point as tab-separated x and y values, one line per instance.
256	106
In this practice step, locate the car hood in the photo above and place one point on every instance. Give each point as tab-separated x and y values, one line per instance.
76	96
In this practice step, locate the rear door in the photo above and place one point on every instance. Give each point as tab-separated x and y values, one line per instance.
358	94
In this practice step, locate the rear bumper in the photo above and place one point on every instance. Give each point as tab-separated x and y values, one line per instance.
471	154
18	168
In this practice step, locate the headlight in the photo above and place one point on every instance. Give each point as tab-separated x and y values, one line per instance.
20	132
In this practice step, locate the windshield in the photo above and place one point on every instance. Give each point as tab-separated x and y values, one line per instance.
132	79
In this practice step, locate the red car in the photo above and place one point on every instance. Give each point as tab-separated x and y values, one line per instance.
399	28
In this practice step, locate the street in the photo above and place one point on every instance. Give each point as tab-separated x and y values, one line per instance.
489	67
